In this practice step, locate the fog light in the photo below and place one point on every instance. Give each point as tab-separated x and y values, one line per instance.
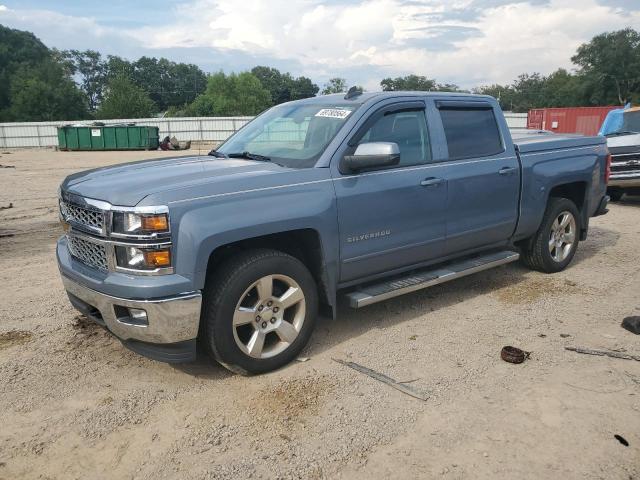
131	316
139	315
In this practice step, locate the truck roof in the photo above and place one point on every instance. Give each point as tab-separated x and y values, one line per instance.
338	98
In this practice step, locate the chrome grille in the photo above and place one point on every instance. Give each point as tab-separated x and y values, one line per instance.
90	253
94	219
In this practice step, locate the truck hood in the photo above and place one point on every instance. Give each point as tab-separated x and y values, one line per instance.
127	184
624	141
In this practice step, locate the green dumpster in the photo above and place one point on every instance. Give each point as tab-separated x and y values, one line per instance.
108	137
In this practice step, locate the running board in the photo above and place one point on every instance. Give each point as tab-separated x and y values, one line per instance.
417	280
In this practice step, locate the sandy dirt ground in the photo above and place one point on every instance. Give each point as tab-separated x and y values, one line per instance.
74	403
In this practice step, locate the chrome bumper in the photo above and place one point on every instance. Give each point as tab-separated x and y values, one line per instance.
169	320
624	182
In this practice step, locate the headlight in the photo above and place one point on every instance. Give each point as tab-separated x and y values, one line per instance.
143	258
140	223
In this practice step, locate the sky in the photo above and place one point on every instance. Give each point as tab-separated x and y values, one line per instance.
466	42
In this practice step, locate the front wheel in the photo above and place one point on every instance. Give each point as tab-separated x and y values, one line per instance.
553	246
259	311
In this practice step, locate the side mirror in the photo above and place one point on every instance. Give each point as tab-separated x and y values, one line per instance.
371	155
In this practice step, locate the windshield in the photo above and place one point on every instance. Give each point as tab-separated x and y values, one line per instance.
290	135
621	122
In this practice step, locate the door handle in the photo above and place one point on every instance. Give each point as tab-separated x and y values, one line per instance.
431	182
507	170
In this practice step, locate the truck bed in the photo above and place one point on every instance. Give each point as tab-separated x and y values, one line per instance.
528	141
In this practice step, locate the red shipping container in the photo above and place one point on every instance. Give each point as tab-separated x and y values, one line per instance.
582	120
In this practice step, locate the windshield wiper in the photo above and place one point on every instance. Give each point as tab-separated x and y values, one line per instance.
250	156
217	154
623	132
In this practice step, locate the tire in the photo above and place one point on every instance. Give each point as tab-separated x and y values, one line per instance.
615	194
538	252
237	294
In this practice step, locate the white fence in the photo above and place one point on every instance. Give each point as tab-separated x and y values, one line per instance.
44	134
207	129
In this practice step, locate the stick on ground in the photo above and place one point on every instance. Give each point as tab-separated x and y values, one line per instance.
604	353
384	379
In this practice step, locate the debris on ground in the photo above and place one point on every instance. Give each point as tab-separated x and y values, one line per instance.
513	355
7	207
621	439
7	166
302	359
564	335
172	143
632	324
603	353
384	379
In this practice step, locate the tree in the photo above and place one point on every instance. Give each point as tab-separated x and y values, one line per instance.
43	93
124	99
610	63
335	85
303	87
167	83
34	84
92	71
233	94
409	82
282	86
16	48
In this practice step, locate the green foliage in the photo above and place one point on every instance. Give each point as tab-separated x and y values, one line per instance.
282	86
124	99
409	83
335	85
92	71
37	83
610	63
34	85
233	94
609	74
416	83
44	92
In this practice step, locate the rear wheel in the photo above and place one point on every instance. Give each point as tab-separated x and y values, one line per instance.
259	311
553	246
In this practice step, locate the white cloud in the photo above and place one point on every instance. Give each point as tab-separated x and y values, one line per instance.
3	8
362	40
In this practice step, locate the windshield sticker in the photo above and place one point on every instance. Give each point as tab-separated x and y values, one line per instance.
333	113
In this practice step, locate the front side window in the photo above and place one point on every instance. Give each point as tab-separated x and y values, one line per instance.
471	132
406	128
293	135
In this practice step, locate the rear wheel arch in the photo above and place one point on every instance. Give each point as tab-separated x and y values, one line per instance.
577	193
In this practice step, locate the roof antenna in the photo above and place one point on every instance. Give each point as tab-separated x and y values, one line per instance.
353	92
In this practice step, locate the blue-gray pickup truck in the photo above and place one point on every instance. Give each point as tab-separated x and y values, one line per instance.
364	195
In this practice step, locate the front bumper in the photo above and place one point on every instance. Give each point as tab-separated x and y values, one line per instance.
622	182
170	330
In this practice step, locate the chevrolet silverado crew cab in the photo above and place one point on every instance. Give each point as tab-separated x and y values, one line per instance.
622	129
367	196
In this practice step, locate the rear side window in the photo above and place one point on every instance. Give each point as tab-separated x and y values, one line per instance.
471	132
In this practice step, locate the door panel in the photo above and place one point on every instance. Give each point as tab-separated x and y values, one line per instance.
482	204
483	176
389	220
395	217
